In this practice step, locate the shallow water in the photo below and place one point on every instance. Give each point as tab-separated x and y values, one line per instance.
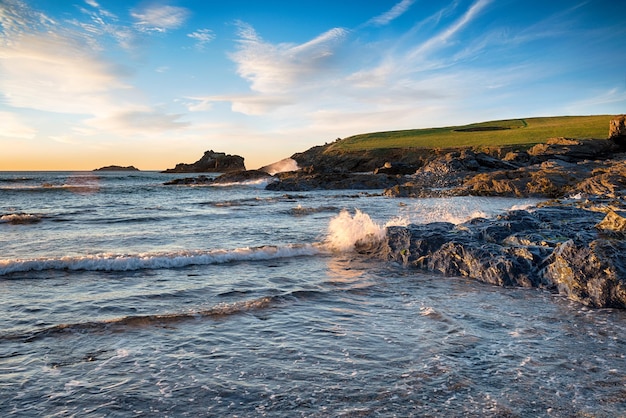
124	297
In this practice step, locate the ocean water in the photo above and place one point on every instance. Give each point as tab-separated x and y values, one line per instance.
122	297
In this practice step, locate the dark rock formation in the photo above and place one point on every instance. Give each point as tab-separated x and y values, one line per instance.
303	180
240	176
211	162
396	169
562	248
190	181
117	168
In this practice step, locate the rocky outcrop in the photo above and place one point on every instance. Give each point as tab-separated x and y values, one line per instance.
563	248
117	168
617	130
558	168
303	180
211	162
241	176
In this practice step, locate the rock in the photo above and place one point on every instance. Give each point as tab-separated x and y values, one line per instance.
211	162
572	150
396	169
613	224
117	168
190	181
242	176
617	130
591	273
307	180
555	247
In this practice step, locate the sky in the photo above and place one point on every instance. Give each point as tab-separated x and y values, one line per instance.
89	83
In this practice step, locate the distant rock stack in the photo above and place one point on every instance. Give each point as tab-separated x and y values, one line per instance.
617	130
211	162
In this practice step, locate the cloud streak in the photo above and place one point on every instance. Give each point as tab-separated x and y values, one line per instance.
14	128
396	11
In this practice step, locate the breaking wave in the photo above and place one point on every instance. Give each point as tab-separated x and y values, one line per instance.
152	261
20	218
347	230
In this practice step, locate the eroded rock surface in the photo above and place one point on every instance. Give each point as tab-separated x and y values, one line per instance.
559	247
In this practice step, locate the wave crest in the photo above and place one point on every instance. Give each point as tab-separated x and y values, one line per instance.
20	218
122	262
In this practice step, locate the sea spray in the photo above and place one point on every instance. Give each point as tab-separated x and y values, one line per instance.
287	164
346	230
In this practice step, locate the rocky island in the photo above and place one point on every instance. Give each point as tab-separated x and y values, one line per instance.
211	162
117	168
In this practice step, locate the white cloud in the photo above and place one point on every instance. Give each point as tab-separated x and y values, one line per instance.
273	68
251	104
137	122
157	18
396	11
202	37
13	127
55	74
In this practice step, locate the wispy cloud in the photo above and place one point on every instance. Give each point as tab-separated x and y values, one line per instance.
158	18
443	37
138	122
278	67
250	104
52	68
202	37
396	11
14	128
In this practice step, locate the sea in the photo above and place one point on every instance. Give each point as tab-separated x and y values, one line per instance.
124	297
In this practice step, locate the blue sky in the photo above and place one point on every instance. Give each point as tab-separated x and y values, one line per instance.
87	83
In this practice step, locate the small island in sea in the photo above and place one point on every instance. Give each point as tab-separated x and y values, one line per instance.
117	168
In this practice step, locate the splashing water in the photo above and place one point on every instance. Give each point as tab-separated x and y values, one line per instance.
346	230
288	164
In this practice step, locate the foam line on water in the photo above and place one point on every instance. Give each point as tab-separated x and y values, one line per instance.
125	262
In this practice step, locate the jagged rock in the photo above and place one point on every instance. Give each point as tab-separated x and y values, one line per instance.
613	224
554	247
307	180
572	150
211	162
242	176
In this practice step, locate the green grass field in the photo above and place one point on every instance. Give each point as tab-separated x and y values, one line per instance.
514	132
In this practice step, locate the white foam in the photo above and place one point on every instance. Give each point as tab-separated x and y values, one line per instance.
20	218
346	230
124	262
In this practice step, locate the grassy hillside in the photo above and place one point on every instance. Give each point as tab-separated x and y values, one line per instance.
516	132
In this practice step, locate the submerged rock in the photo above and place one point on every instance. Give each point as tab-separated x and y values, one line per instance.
559	248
